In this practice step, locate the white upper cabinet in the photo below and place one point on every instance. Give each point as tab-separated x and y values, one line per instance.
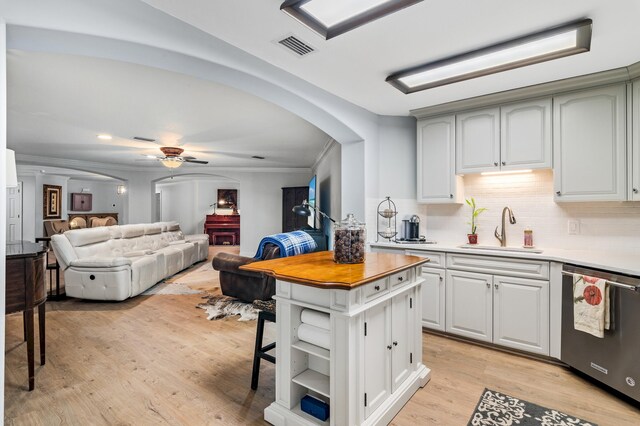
589	138
525	136
635	147
437	181
478	141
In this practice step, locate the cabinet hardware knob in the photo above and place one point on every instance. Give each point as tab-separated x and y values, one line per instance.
440	278
504	163
635	190
488	285
395	343
495	164
495	286
377	287
558	193
400	278
389	347
450	195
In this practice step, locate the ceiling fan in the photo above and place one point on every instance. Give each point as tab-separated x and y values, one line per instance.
172	158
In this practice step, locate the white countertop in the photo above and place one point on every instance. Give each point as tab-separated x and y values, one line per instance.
624	262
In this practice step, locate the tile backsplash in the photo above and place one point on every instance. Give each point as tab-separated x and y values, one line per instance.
602	225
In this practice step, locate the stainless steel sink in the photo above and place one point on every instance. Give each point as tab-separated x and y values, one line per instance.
502	249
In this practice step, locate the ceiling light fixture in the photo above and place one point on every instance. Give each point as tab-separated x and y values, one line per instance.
121	189
506	172
554	43
330	18
171	163
105	137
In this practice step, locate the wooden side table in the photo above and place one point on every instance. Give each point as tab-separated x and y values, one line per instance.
25	291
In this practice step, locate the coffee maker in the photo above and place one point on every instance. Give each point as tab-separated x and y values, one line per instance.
411	229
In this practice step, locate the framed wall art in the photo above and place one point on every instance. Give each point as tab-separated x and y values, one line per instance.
52	201
228	198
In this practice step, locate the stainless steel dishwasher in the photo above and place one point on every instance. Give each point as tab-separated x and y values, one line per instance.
615	359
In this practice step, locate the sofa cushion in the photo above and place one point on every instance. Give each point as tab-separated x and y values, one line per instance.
63	250
115	232
84	237
132	231
100	262
152	229
173	226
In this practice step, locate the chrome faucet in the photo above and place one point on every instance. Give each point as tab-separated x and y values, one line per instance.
502	236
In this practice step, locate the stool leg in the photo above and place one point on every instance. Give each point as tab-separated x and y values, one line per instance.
24	325
256	353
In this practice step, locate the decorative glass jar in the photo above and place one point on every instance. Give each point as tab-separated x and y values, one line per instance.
349	241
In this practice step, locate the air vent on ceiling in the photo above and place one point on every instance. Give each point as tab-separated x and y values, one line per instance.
296	45
257	157
139	138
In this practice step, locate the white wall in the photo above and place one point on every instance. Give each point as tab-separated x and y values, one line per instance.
603	225
188	202
105	198
28	207
328	170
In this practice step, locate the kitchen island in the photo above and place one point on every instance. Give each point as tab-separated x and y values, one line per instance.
368	362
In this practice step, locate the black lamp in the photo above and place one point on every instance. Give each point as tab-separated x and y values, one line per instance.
304	209
219	202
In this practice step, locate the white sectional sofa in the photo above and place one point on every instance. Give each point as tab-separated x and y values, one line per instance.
118	262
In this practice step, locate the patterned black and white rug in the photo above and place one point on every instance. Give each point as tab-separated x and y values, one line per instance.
495	408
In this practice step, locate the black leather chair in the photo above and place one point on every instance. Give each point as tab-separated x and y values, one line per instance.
245	285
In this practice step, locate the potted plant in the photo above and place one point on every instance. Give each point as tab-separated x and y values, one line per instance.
475	211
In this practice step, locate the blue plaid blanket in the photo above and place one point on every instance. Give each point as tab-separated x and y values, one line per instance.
290	243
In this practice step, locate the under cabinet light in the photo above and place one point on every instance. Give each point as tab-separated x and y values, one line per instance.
554	43
506	172
330	18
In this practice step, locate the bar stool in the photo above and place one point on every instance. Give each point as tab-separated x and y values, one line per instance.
267	313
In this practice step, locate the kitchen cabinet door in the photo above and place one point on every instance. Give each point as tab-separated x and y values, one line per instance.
377	368
478	141
469	305
437	181
402	345
635	147
521	314
433	298
589	139
525	135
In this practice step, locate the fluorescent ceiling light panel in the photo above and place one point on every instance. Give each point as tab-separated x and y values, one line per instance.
330	18
551	44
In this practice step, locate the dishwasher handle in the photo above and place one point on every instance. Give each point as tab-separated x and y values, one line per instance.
611	283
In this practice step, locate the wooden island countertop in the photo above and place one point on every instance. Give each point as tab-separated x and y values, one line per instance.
319	270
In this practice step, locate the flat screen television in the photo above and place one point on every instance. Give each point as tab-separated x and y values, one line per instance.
312	201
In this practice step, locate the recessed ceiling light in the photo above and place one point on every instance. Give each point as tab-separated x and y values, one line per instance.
330	18
151	156
554	43
105	137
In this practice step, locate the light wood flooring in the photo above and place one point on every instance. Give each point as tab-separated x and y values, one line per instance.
157	360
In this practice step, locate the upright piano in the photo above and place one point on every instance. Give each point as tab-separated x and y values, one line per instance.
222	229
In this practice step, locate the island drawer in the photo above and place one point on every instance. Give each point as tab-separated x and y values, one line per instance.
512	267
375	289
436	258
400	278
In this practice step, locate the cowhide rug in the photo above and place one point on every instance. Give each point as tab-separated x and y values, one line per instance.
219	306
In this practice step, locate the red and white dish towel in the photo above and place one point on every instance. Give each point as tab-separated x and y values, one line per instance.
591	306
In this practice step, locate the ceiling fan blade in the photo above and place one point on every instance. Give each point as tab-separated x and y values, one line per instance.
189	160
188	157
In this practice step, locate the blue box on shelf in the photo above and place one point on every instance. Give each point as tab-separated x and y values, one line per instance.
315	407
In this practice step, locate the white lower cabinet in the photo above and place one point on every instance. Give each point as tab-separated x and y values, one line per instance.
469	304
507	311
433	298
388	346
521	314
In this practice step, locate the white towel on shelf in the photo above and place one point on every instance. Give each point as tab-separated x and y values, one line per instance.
315	335
591	305
316	318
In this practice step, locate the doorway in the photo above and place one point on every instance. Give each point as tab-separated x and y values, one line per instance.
14	213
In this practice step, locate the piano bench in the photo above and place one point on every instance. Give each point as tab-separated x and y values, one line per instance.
214	235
